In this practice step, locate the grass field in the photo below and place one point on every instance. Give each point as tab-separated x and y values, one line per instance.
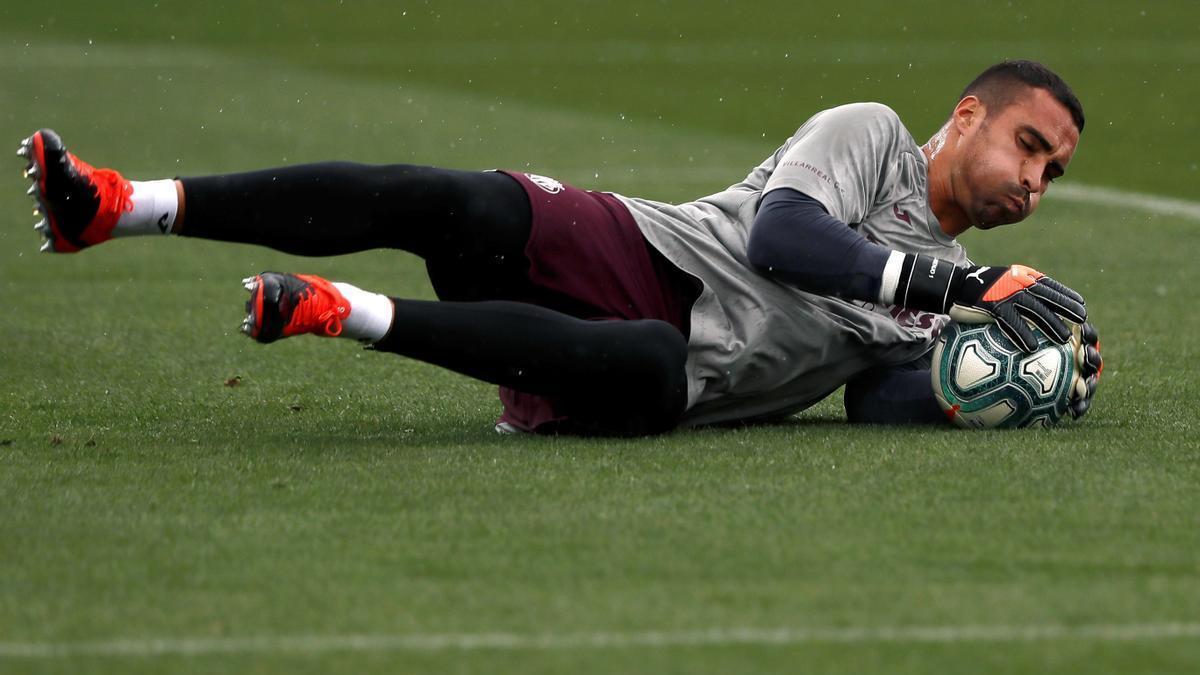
343	511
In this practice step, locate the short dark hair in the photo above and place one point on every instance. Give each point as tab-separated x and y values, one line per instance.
1000	85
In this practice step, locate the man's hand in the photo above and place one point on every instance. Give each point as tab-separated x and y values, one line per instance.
1086	341
1010	295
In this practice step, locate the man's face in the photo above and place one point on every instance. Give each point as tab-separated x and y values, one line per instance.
1009	158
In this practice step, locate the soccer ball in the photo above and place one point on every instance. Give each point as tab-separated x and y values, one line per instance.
983	380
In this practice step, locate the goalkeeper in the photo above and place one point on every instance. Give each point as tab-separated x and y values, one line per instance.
834	262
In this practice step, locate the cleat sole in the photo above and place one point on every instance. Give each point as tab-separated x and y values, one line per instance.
43	227
31	149
251	325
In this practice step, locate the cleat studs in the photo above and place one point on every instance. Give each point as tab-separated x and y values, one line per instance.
36	212
250	284
32	190
23	151
31	172
46	247
43	228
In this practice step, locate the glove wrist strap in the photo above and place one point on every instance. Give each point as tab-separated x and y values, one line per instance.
925	283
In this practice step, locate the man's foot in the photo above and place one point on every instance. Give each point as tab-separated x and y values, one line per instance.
282	305
79	204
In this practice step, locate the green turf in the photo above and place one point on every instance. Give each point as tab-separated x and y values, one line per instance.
338	492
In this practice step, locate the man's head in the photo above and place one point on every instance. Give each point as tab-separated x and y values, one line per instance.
1014	130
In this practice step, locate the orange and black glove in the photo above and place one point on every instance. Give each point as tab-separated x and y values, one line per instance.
1007	295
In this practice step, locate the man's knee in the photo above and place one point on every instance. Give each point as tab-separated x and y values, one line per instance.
662	355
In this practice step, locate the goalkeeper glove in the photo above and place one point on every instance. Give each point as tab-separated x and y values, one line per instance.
1007	295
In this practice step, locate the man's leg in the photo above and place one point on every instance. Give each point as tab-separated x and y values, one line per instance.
608	377
478	219
332	208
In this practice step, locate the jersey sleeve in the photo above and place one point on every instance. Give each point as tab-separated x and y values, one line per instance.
840	156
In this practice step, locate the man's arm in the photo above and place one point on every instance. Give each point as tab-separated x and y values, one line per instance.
794	239
892	396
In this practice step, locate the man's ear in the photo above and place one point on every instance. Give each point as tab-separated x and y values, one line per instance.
968	115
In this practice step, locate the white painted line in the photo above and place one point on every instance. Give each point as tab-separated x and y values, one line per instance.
601	640
1140	201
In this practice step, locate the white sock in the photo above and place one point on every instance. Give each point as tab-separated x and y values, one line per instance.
155	205
370	313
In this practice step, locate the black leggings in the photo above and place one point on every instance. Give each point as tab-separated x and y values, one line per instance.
469	226
618	377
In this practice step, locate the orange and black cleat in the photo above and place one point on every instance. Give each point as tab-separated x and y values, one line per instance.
79	204
282	305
